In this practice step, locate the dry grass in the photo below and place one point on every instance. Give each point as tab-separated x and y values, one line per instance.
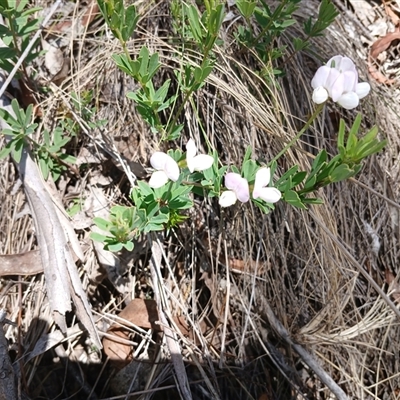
223	270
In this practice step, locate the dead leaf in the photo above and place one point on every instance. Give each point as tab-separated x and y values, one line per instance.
144	314
391	14
29	263
139	312
90	14
377	48
75	29
394	286
25	96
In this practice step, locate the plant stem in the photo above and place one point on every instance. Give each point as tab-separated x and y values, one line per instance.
305	127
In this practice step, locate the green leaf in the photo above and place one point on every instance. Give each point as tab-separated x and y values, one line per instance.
68	158
181	191
7	52
341	172
328	168
5	151
175	132
161	93
102	223
352	139
129	246
144	56
246	7
249	170
18	146
19	112
293	198
298	178
300	44
159	219
313	200
44	168
4	114
287	23
98	237
130	22
18	6
180	203
4	31
145	189
114	247
153	228
287	175
194	23
215	20
126	65
154	65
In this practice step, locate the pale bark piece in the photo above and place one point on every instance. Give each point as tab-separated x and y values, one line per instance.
364	11
62	279
29	263
54	57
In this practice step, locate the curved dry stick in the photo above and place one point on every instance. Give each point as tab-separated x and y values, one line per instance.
302	352
62	279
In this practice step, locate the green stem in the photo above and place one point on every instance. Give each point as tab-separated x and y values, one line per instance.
267	28
188	94
305	127
158	124
178	113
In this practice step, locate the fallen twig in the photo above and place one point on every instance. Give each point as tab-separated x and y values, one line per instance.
301	351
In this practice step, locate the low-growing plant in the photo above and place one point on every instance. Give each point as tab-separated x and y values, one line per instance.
49	153
16	32
161	203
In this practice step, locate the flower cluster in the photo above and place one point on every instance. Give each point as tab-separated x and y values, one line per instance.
167	168
338	79
239	188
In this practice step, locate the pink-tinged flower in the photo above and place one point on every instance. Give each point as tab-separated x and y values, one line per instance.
200	162
166	168
268	194
238	190
338	79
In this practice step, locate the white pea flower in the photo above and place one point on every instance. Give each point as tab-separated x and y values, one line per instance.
238	190
261	189
200	162
338	79
166	168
